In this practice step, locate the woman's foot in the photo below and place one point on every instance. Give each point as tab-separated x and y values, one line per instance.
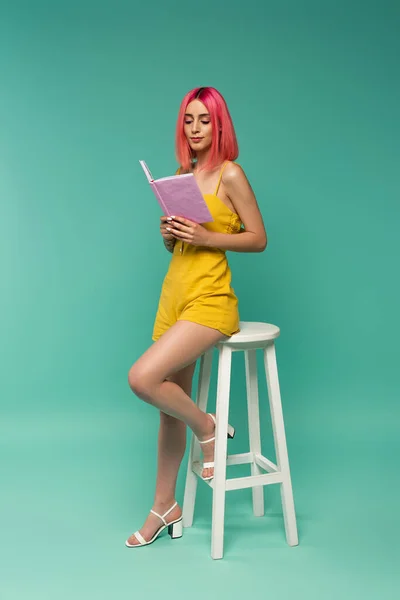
153	523
208	449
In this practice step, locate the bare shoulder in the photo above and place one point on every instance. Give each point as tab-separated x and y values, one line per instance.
235	180
233	173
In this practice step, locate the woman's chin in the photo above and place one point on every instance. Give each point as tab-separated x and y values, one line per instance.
199	147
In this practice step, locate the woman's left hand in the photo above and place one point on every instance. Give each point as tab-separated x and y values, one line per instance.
188	231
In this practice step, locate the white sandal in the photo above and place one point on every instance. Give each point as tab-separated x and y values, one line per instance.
175	530
231	435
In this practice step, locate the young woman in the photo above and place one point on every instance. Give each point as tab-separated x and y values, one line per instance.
198	307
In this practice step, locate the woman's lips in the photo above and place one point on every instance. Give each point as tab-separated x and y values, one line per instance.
196	139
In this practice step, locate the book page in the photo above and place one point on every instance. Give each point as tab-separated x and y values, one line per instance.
175	176
146	170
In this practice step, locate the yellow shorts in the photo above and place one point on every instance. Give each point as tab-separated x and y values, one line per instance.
217	310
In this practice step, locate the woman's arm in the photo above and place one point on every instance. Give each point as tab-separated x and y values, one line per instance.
240	193
244	241
169	244
169	240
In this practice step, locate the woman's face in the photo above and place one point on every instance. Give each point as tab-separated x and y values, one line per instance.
197	126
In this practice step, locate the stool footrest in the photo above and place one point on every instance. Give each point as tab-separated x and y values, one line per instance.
265	464
239	483
273	474
248	458
240	459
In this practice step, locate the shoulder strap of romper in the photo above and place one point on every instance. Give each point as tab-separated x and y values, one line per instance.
220	177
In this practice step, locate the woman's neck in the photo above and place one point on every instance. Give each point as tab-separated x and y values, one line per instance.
201	160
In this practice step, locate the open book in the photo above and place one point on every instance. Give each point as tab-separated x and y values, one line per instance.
179	196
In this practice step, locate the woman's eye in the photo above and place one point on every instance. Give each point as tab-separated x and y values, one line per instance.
204	122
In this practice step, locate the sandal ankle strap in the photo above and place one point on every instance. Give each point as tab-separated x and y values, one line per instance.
206	441
213	418
165	514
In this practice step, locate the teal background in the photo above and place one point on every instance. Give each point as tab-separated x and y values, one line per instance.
89	88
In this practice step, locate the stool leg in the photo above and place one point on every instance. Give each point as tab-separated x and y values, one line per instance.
278	427
254	426
203	386
221	433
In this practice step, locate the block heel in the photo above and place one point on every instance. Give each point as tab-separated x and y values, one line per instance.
175	530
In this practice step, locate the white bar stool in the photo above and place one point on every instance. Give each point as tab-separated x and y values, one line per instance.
252	336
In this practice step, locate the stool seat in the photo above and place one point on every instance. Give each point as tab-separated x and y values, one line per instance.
251	331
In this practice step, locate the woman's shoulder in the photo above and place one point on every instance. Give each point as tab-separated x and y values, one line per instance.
232	172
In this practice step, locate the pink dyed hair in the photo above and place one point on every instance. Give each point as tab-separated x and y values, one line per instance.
224	143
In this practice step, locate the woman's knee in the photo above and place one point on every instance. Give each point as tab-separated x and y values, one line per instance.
143	379
141	382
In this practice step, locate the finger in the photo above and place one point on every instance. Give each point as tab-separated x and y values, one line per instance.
179	234
172	230
183	221
173	224
180	226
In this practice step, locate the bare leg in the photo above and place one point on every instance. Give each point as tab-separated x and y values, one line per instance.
181	345
154	379
171	449
178	348
172	442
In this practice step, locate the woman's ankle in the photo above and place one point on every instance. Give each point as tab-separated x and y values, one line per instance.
164	503
209	428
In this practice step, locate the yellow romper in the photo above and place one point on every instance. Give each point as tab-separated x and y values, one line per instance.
197	286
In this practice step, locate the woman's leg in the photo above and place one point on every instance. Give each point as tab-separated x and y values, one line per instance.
172	442
171	449
179	347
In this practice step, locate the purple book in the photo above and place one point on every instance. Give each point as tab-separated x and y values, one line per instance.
179	196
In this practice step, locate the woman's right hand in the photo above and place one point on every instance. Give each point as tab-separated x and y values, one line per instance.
168	237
